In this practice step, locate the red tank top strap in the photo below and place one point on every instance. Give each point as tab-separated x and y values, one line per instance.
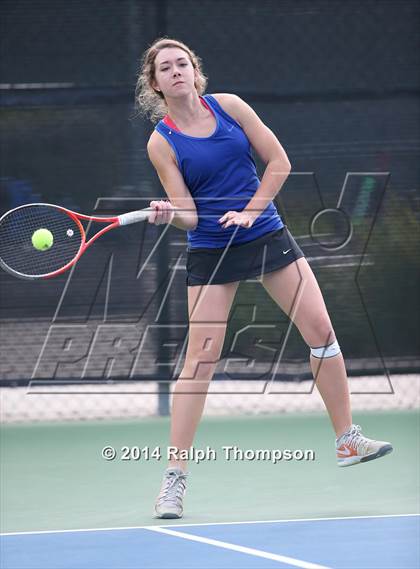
206	104
170	123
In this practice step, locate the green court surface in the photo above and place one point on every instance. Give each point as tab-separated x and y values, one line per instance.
53	475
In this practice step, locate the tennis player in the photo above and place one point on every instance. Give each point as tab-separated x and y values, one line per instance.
201	150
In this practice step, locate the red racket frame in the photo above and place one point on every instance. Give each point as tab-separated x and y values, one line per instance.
114	221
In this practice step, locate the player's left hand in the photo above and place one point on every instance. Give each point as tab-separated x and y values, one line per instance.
242	218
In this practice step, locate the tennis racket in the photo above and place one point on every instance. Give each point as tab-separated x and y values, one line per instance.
67	238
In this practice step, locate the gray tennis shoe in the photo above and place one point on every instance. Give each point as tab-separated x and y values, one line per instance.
169	502
353	447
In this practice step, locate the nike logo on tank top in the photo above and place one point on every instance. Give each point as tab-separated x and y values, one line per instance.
221	175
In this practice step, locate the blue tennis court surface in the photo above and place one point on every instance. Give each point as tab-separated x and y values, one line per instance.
361	542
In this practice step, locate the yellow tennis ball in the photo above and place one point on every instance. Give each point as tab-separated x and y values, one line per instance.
42	239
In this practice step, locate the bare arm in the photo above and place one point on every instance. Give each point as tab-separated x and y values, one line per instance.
267	146
184	212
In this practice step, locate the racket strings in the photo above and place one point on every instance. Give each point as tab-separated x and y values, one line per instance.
17	251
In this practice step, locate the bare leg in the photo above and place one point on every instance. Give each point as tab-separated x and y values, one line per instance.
208	308
295	289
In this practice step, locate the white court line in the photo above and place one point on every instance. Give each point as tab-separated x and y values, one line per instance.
176	525
290	521
240	549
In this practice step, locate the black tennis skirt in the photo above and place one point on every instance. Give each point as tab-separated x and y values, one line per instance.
253	259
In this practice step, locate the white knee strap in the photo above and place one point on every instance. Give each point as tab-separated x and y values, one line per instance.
326	351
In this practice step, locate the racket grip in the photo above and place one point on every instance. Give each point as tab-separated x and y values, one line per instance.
134	216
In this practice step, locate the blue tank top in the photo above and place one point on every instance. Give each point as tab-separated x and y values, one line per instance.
221	175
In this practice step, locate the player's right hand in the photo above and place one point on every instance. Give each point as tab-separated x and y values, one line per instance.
163	212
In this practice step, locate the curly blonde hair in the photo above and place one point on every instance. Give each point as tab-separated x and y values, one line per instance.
151	103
